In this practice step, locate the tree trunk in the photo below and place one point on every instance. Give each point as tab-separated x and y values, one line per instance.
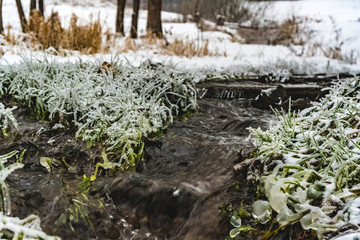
1	23
41	7
21	15
32	6
134	18
154	18
120	17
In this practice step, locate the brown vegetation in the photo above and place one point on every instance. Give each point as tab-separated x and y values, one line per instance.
288	32
49	33
178	47
10	38
188	48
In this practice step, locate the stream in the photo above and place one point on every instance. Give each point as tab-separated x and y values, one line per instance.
186	175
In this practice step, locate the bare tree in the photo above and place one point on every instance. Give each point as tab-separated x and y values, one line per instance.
154	25
21	15
1	23
32	6
120	17
41	7
134	18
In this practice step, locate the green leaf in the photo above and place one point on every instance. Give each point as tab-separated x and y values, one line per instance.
235	220
5	157
46	162
234	232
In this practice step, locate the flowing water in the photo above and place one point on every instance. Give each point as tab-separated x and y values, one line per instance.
174	194
188	171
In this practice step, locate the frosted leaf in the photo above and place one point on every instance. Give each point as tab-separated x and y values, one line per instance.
269	183
300	195
5	172
28	227
261	210
277	198
307	221
235	220
312	193
5	157
58	126
286	216
316	191
317	220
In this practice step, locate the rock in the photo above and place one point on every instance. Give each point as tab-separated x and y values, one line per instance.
298	104
270	97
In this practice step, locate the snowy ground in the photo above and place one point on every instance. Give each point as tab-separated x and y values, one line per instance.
230	57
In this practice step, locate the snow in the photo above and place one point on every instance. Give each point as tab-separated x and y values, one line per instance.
351	236
229	57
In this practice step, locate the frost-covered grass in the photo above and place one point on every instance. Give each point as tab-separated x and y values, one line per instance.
8	123
311	166
115	104
13	227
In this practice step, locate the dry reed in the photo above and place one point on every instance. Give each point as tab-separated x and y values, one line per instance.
188	48
49	33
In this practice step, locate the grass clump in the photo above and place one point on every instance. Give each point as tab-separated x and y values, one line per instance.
310	165
115	104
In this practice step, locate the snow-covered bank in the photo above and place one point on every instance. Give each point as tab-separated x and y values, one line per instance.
333	23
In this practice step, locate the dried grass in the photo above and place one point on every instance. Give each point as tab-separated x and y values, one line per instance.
290	32
188	48
49	33
129	45
109	41
178	47
9	37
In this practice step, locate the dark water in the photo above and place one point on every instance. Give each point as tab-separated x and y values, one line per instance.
175	194
188	171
